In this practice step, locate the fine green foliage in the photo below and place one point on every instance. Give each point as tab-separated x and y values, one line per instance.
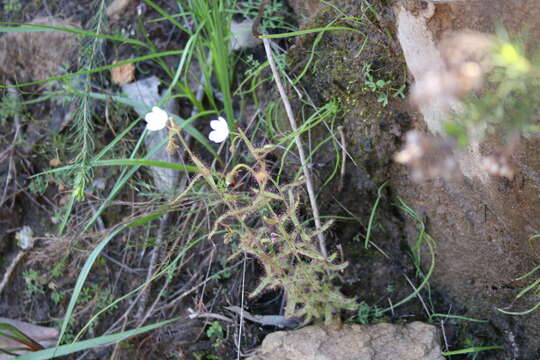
83	127
33	285
10	106
274	18
380	87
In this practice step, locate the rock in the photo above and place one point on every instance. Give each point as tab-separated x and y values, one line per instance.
118	7
414	341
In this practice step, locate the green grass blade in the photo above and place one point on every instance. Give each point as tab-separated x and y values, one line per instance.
457	317
309	31
471	350
531	286
372	215
124	176
21	27
95	70
167	16
166	269
187	50
91	343
521	312
145	162
529	273
82	278
422	284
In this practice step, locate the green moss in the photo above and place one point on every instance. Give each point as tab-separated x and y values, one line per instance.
358	73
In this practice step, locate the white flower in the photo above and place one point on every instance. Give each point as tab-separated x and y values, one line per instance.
157	119
220	130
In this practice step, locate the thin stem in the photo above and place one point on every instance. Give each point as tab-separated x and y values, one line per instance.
307	174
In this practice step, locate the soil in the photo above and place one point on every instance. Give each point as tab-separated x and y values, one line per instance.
480	240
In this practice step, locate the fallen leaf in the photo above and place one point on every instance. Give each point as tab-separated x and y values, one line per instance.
45	336
117	7
64	199
55	162
242	37
123	74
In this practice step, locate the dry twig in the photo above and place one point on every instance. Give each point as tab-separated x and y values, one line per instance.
307	174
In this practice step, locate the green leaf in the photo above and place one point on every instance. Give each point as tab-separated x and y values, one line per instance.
145	162
95	70
471	350
18	27
308	31
91	343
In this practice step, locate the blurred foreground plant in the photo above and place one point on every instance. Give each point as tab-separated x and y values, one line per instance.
509	104
489	87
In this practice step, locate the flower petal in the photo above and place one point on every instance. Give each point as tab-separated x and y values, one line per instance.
157	119
159	112
217	136
219	124
221	130
155	126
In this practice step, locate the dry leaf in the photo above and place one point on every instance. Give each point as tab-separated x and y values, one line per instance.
123	74
55	162
242	37
117	7
45	336
64	199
